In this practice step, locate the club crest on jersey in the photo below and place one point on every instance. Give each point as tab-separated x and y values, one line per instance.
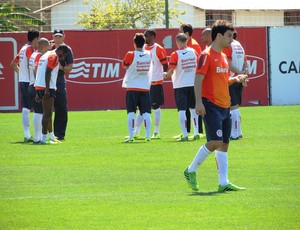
219	133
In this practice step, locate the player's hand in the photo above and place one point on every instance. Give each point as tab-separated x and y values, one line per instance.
165	75
243	78
37	98
200	109
47	94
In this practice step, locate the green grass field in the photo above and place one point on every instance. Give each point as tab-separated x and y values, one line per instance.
95	181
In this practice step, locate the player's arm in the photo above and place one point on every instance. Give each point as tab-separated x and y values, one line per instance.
161	53
172	65
15	64
200	109
47	80
128	59
67	68
169	73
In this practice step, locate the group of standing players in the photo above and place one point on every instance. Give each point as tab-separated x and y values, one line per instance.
183	84
41	67
201	83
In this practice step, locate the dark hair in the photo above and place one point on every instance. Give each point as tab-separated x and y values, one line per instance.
139	40
63	48
220	26
187	28
32	34
234	35
151	32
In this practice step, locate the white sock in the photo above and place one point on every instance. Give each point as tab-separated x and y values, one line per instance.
130	124
37	126
52	136
182	122
26	122
239	123
44	137
200	157
157	117
147	122
222	163
138	123
195	121
234	123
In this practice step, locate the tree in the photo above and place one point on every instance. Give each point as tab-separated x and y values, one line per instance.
9	14
125	14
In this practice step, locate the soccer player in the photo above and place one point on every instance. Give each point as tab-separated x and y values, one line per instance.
45	85
238	65
60	102
182	68
137	83
159	66
20	64
206	37
213	103
43	46
187	29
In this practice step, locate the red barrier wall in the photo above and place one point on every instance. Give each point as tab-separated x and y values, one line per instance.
96	79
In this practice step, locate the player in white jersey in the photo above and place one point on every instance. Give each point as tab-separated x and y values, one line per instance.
45	85
137	83
238	65
182	68
43	47
20	64
159	65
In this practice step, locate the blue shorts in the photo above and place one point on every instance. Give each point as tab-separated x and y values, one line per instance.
185	98
138	99
25	96
217	122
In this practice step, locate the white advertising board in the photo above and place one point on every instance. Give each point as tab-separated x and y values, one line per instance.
284	62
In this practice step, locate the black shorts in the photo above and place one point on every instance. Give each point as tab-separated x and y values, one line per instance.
235	91
138	99
37	106
157	96
25	97
217	122
185	98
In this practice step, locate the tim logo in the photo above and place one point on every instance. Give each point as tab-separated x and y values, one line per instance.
256	67
96	70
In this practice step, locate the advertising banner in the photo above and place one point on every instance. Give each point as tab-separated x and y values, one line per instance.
96	79
285	66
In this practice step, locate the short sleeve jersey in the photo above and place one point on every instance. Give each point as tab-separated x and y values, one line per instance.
192	43
33	62
214	66
236	55
23	60
159	58
137	76
48	60
184	62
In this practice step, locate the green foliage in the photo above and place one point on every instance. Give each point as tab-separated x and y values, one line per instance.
95	181
130	14
9	13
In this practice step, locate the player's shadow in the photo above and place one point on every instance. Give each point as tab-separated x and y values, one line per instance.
211	193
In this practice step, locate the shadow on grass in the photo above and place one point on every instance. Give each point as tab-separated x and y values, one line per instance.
211	193
21	142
